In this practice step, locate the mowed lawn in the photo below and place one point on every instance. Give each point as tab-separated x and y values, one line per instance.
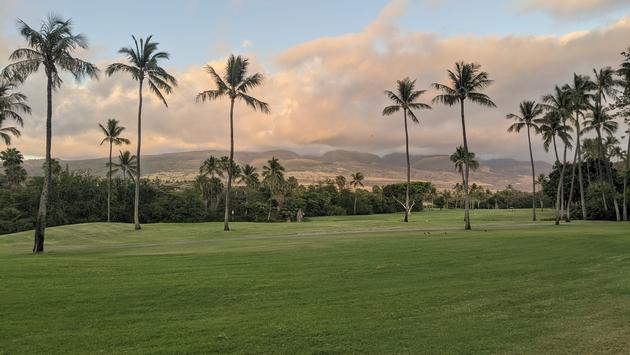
365	284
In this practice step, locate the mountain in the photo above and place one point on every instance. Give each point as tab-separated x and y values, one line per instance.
493	174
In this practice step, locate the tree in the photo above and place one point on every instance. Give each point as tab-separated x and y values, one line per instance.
126	164
600	121
559	108
12	160
467	81
341	182
235	85
12	106
143	63
357	181
528	118
623	106
579	95
51	47
405	99
112	136
460	159
273	177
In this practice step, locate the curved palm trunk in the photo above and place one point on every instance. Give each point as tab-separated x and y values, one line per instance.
579	167
558	201
136	203
109	184
610	177
569	201
531	159
466	171
40	224
355	203
226	216
408	169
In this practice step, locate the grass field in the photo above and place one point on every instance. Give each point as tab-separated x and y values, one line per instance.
367	284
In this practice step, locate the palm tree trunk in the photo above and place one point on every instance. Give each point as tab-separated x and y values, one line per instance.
40	224
226	216
531	158
408	168
136	203
562	192
466	174
625	182
109	184
580	175
568	215
558	189
355	203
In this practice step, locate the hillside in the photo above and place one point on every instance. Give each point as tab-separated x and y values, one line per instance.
492	174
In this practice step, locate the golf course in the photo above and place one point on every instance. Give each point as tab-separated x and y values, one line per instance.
351	284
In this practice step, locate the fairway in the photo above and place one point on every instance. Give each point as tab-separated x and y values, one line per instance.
364	284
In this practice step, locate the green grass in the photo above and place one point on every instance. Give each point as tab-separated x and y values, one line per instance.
366	284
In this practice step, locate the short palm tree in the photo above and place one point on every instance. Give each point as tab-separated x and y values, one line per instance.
467	80
404	98
143	64
528	118
356	182
212	167
12	106
235	84
273	177
126	164
51	47
112	135
460	159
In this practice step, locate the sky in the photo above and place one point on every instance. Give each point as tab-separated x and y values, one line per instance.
326	64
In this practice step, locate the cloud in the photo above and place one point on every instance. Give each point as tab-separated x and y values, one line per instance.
328	93
571	8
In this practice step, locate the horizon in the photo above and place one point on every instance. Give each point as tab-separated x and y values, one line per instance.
325	85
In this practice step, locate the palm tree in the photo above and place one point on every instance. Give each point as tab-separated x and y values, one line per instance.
273	176
405	98
529	113
12	160
249	177
599	120
579	94
126	164
212	167
234	85
144	64
341	182
467	81
51	47
460	159
112	136
12	106
560	106
357	181
542	180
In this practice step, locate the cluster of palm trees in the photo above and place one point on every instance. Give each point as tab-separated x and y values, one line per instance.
577	108
466	83
52	48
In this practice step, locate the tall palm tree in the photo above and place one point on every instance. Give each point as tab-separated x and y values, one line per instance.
467	80
404	98
528	118
51	47
143	64
551	126
357	181
600	121
579	94
12	106
235	85
112	136
460	159
559	106
126	164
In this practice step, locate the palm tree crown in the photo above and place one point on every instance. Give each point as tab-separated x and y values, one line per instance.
12	106
357	180
126	164
144	64
467	81
528	117
405	99
112	133
459	159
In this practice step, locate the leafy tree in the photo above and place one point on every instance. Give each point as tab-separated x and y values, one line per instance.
51	47
143	64
273	178
235	85
126	164
528	118
112	133
467	80
12	161
405	99
341	182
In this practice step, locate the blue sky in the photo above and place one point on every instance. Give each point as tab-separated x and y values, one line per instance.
195	31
